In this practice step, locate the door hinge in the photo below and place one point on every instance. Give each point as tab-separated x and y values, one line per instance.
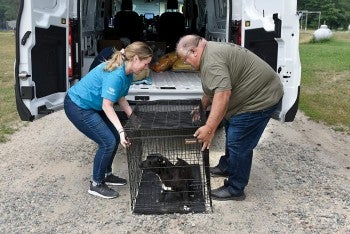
23	75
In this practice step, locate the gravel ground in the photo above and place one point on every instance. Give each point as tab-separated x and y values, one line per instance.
299	184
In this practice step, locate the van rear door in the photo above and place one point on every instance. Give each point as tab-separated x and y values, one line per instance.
41	67
270	29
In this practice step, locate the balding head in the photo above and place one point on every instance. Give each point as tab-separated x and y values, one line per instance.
190	49
186	43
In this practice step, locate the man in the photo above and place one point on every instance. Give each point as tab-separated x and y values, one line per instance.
243	91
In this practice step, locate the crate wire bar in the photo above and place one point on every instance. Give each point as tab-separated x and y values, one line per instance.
166	114
165	129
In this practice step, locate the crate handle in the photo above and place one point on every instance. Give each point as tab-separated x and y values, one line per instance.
191	141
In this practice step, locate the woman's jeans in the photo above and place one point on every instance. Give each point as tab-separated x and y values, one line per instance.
96	126
243	132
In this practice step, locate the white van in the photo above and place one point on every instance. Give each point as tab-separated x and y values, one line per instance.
57	40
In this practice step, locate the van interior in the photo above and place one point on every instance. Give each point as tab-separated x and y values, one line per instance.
161	23
119	22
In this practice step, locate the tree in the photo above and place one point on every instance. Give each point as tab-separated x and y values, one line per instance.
9	8
344	6
8	11
334	13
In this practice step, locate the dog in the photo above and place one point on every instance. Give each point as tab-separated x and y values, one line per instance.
176	177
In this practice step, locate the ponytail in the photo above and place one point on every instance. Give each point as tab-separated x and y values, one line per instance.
116	61
141	49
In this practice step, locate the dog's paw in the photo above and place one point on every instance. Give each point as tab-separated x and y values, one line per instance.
187	208
165	188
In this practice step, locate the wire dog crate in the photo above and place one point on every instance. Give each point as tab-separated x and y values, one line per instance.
168	172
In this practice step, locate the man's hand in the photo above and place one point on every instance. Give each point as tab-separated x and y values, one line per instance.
205	135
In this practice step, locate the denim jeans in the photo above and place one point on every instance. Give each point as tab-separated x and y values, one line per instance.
243	132
96	126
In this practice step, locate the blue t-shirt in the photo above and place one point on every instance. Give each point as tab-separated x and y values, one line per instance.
98	84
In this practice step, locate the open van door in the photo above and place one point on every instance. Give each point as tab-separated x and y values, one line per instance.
270	29
42	58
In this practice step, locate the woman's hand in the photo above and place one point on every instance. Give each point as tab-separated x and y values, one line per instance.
107	107
124	141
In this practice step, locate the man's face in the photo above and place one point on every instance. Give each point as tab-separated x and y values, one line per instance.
190	57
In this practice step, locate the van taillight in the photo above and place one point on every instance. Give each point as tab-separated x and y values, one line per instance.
70	49
239	32
236	32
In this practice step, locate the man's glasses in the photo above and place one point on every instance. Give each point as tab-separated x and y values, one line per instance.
191	49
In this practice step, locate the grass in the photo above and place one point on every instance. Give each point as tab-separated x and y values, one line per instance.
9	118
325	80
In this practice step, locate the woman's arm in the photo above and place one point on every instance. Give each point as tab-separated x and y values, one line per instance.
124	104
107	107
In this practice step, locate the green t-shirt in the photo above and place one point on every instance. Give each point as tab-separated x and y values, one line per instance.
254	84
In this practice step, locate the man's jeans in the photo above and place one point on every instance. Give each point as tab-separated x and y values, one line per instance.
95	125
243	132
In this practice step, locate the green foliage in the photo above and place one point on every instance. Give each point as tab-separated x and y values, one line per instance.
334	13
8	9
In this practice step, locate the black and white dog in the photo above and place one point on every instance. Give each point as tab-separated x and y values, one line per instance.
176	177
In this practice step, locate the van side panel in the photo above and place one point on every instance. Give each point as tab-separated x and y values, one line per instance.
49	61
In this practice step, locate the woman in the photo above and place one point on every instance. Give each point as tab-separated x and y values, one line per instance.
89	106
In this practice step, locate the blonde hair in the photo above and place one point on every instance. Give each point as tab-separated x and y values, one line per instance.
141	49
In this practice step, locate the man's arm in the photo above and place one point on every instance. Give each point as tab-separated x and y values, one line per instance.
218	110
205	102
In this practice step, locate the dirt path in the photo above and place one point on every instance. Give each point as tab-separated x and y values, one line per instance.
300	183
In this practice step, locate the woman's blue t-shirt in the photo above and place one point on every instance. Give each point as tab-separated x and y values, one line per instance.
98	84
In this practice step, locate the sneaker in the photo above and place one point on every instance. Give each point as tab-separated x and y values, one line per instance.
102	190
114	180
